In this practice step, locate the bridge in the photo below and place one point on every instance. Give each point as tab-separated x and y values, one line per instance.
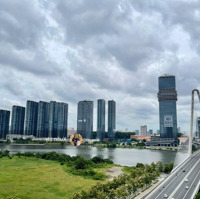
182	183
184	180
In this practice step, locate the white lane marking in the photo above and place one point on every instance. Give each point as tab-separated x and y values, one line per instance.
172	180
183	181
191	184
172	175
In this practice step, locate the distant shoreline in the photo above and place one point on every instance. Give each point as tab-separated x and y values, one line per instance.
97	145
27	144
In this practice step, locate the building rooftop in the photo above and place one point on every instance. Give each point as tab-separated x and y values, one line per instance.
166	76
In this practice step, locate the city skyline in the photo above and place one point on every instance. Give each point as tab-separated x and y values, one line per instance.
40	106
109	50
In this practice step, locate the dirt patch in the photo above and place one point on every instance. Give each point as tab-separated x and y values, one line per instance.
113	172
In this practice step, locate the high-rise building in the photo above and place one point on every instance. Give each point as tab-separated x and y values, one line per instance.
158	132
101	119
4	123
31	118
111	119
143	130
58	117
43	119
167	97
197	128
85	118
70	131
150	132
17	121
137	132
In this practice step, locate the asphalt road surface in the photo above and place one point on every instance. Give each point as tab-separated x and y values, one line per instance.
176	186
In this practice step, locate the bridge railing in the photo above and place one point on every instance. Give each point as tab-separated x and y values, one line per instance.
184	161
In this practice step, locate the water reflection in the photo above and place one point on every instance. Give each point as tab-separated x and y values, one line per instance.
122	156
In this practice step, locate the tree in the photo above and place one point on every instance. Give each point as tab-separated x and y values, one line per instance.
171	165
179	134
123	135
140	165
166	168
159	165
121	192
134	140
94	135
198	195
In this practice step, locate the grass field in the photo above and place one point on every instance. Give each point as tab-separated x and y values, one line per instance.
31	178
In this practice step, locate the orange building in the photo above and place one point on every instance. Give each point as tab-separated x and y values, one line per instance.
140	137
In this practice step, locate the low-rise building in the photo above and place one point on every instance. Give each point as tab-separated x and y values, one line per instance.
140	137
11	137
158	141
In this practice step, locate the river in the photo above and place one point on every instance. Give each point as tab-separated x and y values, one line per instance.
122	156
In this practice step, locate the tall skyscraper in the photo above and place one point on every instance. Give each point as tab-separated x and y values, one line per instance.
167	97
31	118
111	119
101	119
4	123
43	119
85	118
197	127
143	130
58	117
17	121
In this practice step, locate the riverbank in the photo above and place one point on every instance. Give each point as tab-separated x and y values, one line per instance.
48	174
27	144
174	149
120	156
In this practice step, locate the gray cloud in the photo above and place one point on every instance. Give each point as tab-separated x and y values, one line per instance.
70	51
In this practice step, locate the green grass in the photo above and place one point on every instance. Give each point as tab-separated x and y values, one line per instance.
128	169
31	178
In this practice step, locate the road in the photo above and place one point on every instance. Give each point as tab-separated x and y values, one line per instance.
175	185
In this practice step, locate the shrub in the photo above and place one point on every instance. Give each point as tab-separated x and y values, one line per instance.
80	163
29	154
6	153
38	155
97	160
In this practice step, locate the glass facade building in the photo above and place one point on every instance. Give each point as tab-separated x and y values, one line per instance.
85	119
43	120
197	127
58	117
101	119
167	97
17	121
4	123
111	119
31	118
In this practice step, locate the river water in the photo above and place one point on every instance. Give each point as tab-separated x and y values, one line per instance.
122	156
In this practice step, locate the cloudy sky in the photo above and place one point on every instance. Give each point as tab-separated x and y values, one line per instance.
89	49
